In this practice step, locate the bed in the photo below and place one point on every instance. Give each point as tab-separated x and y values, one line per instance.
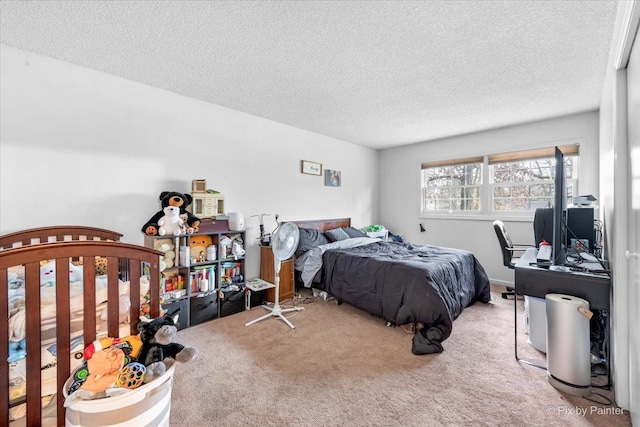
50	278
401	282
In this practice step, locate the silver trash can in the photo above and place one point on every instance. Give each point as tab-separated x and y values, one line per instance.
568	344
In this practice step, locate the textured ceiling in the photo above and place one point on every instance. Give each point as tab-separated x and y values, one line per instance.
378	74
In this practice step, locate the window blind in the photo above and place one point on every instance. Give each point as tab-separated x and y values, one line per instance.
452	162
538	153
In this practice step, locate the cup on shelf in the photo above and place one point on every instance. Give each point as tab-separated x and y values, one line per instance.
211	253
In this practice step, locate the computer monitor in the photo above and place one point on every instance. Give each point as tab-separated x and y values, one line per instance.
559	209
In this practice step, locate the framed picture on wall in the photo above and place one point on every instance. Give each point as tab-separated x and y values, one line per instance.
311	168
332	178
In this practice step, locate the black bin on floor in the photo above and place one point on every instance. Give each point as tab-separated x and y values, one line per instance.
231	301
203	308
256	298
181	308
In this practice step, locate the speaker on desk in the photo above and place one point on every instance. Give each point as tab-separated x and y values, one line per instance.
580	226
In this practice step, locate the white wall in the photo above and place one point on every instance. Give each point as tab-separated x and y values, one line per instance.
400	184
79	146
633	206
615	166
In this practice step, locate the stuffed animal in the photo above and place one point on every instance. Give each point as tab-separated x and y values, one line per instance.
130	344
198	246
168	247
48	273
179	200
171	223
158	349
102	266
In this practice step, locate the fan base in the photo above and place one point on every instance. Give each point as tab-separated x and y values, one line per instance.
276	311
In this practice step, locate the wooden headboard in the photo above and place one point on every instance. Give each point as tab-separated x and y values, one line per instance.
323	224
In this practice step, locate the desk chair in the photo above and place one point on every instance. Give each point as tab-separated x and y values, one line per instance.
508	248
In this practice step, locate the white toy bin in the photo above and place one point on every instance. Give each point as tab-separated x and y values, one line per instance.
149	404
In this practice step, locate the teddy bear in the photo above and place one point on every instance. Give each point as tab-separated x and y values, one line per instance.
168	247
170	223
179	200
158	349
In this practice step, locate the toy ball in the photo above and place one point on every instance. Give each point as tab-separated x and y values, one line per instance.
79	377
131	376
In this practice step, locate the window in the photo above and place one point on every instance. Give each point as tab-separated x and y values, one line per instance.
452	187
514	183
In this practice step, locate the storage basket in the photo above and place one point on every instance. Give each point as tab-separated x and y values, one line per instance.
149	404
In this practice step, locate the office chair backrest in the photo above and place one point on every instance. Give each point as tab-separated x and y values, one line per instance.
505	243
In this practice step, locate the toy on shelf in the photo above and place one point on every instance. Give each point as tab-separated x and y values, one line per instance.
207	203
170	223
145	307
198	247
167	246
177	200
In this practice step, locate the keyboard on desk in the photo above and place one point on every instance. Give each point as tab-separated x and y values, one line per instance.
544	253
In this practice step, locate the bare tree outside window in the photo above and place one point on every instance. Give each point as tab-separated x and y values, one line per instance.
516	186
526	185
452	188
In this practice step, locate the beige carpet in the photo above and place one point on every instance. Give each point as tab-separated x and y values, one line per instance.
343	367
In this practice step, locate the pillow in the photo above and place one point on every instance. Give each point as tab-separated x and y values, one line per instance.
336	234
354	232
310	239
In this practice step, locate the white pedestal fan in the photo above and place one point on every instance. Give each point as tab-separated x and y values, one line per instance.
284	241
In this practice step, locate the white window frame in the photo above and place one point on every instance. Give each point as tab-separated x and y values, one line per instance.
453	187
487	184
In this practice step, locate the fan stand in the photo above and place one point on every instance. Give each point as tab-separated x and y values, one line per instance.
276	310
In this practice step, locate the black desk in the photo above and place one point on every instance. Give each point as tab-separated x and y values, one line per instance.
538	282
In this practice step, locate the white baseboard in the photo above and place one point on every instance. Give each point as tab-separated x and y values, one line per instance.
501	282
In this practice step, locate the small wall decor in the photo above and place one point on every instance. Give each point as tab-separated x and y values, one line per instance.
311	168
332	178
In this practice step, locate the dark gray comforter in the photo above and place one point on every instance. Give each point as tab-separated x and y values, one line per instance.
406	283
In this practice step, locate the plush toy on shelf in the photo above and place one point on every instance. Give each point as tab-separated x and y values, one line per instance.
198	246
158	349
170	223
168	247
175	199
